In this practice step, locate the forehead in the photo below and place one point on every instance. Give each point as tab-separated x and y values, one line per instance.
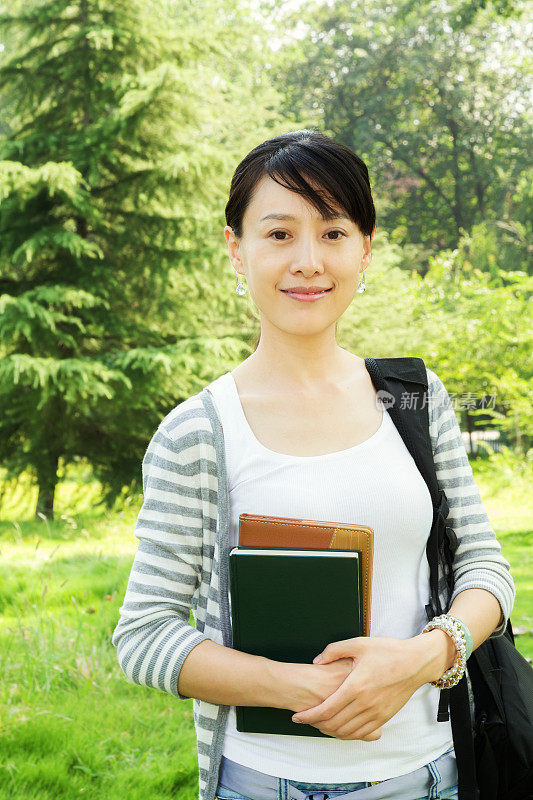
271	201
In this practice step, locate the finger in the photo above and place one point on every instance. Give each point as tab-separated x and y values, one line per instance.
366	733
331	706
367	728
351	725
336	650
373	736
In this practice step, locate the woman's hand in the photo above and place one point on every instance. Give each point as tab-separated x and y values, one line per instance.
320	683
315	684
384	675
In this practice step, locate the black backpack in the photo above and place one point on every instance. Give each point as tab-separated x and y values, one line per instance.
492	726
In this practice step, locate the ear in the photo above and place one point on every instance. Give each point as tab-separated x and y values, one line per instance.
233	249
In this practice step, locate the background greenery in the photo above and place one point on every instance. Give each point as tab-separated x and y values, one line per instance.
70	723
121	123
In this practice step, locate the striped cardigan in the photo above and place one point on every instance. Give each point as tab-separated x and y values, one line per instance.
181	562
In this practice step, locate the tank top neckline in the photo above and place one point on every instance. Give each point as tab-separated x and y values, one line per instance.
372	440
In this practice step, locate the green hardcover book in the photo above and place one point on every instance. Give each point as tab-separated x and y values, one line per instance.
287	604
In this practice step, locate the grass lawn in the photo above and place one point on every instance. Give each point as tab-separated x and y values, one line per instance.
70	723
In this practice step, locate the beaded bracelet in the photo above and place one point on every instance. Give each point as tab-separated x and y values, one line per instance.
468	636
451	626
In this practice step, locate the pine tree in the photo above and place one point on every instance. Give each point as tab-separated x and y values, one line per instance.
105	178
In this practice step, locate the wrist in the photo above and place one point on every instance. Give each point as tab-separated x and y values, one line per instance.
287	682
435	652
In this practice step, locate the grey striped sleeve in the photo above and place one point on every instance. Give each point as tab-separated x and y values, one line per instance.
153	635
478	563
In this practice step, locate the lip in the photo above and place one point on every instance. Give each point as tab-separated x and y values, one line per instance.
307	296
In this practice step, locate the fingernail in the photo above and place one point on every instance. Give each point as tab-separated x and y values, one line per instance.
317	660
296	720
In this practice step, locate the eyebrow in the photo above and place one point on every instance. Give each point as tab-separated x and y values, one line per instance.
281	216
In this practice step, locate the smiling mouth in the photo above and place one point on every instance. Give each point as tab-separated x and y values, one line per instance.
306	297
294	291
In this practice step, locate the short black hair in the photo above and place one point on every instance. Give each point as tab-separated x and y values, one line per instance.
291	157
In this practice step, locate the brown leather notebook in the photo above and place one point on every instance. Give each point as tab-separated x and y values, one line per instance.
257	530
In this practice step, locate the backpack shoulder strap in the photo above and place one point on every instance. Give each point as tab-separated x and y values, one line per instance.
402	387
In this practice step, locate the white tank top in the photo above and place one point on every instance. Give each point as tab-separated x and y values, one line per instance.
374	483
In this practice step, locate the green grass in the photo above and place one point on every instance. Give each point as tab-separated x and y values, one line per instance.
505	486
70	723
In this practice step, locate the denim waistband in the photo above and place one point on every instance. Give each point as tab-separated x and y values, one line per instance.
260	786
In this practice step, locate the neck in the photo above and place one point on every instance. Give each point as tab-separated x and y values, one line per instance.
301	368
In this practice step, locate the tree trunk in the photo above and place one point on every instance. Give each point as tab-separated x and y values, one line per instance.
47	480
518	433
469	428
49	449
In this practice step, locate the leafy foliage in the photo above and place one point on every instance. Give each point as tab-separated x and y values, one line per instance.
107	178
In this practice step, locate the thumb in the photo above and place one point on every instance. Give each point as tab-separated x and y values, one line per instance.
335	650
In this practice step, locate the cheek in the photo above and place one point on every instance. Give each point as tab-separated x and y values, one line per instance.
346	293
269	275
263	251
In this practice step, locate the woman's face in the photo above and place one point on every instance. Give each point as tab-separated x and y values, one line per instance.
304	250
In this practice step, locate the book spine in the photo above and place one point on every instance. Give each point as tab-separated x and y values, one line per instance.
236	643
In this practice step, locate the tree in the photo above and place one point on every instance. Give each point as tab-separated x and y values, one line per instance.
484	340
430	95
105	179
472	327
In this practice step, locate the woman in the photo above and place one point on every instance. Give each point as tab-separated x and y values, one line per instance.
297	430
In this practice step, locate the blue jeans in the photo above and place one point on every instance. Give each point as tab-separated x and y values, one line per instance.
229	794
436	780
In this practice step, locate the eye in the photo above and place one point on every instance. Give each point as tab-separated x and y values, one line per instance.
284	233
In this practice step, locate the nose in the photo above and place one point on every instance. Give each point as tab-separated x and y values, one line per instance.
307	258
